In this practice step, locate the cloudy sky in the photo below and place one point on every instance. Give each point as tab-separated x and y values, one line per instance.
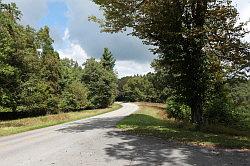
77	38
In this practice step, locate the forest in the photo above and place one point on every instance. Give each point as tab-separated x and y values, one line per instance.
34	79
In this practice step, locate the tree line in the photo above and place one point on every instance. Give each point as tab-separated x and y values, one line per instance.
200	48
151	88
33	78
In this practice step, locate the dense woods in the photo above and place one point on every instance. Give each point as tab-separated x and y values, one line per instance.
34	79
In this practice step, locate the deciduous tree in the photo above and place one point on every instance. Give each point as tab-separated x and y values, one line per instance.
183	33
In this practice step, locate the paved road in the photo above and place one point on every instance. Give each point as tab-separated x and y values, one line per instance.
96	142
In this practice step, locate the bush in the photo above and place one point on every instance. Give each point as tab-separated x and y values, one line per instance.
2	109
178	111
220	108
52	104
220	111
239	94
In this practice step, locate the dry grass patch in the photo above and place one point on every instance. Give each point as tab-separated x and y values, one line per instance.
26	124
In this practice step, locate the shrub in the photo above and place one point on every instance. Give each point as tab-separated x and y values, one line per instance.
178	111
52	104
220	108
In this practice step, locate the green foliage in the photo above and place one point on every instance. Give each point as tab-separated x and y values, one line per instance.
12	50
219	107
50	61
160	84
101	83
198	43
34	95
107	60
150	87
52	104
239	94
34	79
152	120
70	72
74	97
178	111
138	88
121	82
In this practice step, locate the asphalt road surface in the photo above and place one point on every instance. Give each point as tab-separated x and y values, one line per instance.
95	141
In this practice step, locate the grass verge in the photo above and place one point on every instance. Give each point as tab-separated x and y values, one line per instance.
22	125
151	119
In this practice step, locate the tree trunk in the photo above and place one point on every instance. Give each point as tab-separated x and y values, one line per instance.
199	9
197	111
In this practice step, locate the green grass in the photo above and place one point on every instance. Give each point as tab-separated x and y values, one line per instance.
26	124
152	120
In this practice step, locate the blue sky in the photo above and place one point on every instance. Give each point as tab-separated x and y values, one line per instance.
75	37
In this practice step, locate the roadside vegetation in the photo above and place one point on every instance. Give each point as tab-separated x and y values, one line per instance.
153	120
201	72
202	58
34	80
38	89
26	124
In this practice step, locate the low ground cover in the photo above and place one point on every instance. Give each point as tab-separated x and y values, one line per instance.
26	124
152	119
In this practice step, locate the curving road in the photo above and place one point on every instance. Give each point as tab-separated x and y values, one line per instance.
95	141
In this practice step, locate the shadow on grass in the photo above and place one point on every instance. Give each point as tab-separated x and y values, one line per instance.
148	125
150	151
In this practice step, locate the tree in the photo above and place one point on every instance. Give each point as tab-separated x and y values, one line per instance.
159	81
138	88
34	95
74	96
74	93
70	72
34	79
101	83
14	45
121	82
50	68
50	61
107	60
180	30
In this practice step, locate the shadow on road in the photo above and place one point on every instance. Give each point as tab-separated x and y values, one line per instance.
150	151
91	124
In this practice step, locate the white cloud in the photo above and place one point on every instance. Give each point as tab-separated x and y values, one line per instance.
75	52
243	7
124	67
88	34
72	50
82	39
66	35
129	68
